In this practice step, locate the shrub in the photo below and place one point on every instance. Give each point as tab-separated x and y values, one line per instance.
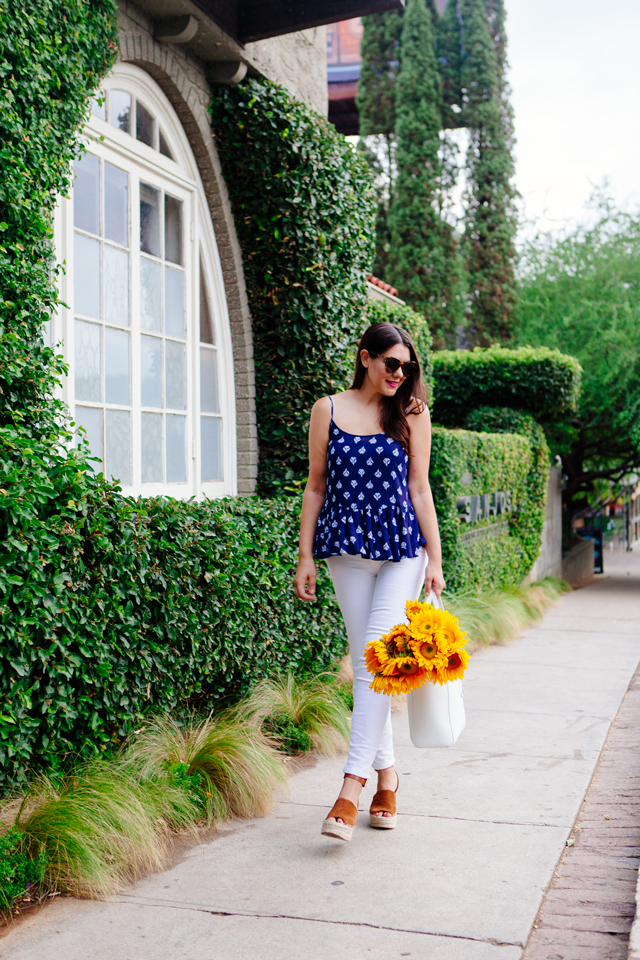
487	553
112	608
18	871
381	311
539	381
529	520
304	211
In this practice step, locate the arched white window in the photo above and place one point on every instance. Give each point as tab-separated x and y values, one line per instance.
146	330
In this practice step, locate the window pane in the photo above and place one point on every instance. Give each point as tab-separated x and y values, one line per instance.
172	229
149	220
116	286
150	295
144	125
208	381
151	448
87	361
175	372
211	454
118	446
86	276
165	149
206	326
120	110
173	302
151	371
86	194
116	366
176	466
91	420
116	204
99	109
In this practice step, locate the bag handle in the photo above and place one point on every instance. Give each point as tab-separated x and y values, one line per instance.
435	601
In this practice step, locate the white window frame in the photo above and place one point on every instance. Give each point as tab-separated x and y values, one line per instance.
180	178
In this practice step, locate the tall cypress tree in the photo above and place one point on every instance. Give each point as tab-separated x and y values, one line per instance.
448	52
380	52
490	220
375	99
422	253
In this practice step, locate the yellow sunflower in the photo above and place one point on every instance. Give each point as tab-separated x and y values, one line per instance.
413	607
425	621
456	664
394	686
390	668
375	655
396	639
454	635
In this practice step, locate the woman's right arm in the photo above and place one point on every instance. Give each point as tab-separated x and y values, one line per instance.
304	581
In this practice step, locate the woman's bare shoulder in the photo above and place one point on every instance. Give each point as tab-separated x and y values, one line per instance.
322	407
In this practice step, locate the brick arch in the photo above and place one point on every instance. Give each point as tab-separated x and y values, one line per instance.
184	85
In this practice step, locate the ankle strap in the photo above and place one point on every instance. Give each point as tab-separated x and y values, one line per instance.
352	776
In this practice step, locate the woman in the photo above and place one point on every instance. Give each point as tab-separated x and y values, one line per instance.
368	510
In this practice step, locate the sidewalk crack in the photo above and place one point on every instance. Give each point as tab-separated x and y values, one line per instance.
156	902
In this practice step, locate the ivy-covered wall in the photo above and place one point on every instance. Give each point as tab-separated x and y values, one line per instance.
52	57
304	208
111	607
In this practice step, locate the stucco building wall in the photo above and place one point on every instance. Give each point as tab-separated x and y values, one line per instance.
298	61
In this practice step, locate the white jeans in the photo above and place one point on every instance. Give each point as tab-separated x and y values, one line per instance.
372	596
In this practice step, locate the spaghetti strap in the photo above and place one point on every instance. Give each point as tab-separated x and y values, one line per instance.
331	402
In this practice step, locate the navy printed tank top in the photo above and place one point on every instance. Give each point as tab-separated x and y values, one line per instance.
367	509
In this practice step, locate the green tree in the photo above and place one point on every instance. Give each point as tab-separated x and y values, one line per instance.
422	256
581	293
449	54
375	99
490	220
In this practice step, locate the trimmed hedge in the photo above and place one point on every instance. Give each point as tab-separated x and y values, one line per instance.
112	607
466	463
539	381
304	210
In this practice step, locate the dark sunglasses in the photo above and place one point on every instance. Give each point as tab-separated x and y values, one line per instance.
407	368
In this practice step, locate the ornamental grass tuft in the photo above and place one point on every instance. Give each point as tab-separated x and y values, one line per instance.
316	706
100	827
239	772
500	615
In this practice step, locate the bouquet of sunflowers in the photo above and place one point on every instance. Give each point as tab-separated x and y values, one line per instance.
428	648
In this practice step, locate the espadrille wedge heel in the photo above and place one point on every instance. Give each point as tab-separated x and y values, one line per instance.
344	810
384	801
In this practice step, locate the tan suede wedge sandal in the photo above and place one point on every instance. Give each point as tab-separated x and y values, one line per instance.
346	811
384	801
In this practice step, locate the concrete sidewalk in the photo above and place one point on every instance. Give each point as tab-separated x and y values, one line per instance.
481	826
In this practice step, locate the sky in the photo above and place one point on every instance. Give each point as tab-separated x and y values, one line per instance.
575	78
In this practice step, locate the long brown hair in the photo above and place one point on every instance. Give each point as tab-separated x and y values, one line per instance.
409	398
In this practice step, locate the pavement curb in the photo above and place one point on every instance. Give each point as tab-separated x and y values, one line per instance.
634	934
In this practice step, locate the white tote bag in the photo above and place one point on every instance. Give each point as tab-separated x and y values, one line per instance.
436	713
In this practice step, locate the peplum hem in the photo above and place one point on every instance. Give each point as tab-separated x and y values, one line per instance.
382	533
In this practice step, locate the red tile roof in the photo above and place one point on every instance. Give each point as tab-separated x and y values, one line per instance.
383	286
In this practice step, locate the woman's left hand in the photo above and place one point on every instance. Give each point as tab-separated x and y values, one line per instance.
433	579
